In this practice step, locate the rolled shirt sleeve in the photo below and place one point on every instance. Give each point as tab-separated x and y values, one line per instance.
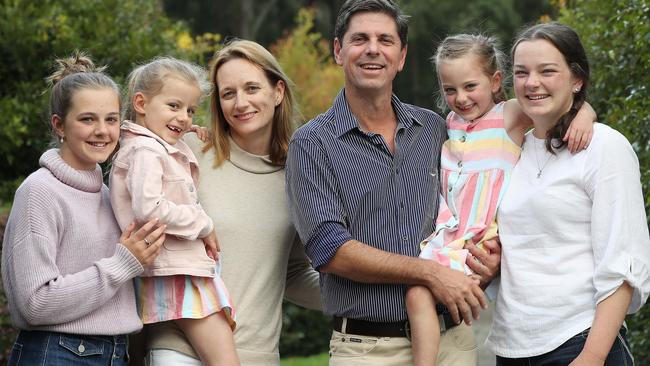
619	228
315	206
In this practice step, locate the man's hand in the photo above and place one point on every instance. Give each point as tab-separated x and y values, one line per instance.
489	260
460	293
362	263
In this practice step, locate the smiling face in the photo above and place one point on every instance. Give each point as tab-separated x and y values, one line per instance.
370	52
168	113
91	128
248	101
543	82
467	88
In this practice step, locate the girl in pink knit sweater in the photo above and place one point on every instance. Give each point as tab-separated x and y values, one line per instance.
65	269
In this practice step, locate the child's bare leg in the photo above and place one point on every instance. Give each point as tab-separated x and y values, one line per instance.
212	339
425	328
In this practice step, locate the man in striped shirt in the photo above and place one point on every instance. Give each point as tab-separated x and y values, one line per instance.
362	181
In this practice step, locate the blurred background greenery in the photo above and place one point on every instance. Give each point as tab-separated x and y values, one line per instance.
123	33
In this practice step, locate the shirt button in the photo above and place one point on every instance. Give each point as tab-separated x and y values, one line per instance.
450	188
460	164
405	238
462	139
191	188
81	348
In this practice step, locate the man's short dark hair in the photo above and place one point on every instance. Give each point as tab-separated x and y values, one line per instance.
388	7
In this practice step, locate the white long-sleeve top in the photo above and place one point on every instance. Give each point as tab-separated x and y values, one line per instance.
570	238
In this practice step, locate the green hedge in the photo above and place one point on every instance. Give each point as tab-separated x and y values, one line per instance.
304	332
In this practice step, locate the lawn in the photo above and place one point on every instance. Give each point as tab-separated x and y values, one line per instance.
315	360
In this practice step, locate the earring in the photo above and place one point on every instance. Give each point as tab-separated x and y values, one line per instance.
61	139
576	90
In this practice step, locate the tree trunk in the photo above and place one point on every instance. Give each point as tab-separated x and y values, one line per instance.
252	16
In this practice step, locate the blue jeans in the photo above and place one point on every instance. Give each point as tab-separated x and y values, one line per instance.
619	355
60	349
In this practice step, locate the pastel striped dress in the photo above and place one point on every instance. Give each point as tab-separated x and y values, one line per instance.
476	164
163	298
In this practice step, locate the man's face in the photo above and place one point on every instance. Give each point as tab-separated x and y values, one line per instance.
370	52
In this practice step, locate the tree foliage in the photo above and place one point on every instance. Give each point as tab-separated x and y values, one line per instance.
306	59
117	33
431	21
616	35
261	21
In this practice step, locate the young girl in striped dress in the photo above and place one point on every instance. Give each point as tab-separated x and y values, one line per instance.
485	134
154	175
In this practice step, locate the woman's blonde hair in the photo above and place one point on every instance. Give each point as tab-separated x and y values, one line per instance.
285	112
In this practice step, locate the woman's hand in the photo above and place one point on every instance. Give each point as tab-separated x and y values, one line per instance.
201	132
489	260
145	243
586	358
212	245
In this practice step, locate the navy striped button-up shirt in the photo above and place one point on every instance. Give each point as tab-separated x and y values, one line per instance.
344	183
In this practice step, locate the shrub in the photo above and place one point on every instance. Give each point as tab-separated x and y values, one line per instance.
304	332
303	52
117	33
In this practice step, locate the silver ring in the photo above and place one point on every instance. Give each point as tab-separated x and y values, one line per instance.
147	241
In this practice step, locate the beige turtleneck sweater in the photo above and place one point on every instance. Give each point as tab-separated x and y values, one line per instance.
262	260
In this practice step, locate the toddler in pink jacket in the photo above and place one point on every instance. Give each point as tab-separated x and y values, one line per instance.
154	175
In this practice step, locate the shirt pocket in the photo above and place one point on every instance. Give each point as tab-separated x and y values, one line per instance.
179	190
82	347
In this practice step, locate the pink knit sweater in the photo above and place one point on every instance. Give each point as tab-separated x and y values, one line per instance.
63	268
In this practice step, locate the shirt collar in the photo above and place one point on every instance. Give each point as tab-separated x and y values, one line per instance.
345	121
134	129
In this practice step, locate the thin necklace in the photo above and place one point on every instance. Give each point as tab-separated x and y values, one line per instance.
539	169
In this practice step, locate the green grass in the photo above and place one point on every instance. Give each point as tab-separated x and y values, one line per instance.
315	360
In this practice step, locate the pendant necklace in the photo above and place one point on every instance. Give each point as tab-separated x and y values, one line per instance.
539	169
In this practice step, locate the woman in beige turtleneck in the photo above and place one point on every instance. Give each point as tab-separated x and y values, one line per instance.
242	189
